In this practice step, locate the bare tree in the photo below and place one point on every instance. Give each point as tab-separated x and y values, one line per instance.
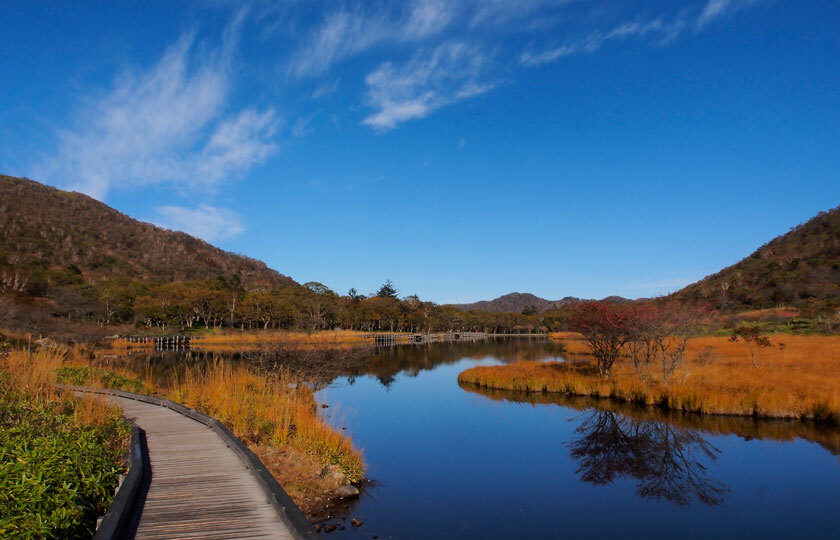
13	282
754	339
660	334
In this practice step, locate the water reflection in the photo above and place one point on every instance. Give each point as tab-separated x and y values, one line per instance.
323	365
667	461
745	427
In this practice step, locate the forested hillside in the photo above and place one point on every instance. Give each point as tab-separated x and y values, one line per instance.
58	237
800	268
66	258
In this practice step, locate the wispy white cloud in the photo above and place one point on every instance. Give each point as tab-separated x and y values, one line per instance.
503	12
716	9
595	40
451	72
168	124
303	126
345	33
325	89
207	222
663	30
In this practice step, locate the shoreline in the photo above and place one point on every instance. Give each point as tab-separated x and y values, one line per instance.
798	378
830	422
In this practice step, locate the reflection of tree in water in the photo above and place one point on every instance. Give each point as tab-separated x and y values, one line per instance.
666	460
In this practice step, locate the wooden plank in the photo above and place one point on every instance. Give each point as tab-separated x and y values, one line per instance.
199	486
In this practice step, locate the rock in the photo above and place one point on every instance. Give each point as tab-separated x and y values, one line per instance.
356	523
330	528
324	406
336	474
345	492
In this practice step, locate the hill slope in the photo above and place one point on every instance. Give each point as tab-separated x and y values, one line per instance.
797	268
72	236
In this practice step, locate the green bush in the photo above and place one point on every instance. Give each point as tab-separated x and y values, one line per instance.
57	476
80	376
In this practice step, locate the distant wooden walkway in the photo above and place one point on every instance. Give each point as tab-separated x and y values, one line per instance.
200	487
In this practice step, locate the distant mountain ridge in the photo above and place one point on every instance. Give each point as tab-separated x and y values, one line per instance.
62	235
516	302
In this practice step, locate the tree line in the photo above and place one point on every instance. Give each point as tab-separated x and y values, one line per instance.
224	302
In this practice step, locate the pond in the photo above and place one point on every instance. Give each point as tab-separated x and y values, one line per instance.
446	461
452	462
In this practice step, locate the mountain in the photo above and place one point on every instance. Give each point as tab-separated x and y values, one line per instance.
799	268
517	302
57	237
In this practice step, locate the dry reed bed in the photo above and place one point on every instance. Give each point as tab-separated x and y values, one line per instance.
799	378
266	410
323	337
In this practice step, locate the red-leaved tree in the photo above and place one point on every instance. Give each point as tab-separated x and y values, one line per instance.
606	328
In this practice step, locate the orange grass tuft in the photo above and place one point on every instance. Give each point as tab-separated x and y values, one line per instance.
799	378
274	409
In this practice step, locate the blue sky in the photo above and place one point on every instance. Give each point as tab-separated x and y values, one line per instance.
463	148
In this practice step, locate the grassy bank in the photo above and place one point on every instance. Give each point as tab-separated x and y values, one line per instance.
799	378
266	410
321	337
61	455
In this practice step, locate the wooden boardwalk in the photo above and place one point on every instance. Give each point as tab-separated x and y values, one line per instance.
199	487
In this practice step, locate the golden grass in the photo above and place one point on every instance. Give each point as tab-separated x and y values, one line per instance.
266	410
34	373
562	336
762	314
122	343
799	378
322	337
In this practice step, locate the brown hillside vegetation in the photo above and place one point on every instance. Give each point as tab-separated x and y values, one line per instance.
800	268
56	236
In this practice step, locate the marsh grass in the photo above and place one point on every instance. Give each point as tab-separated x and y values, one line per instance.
799	378
266	409
322	337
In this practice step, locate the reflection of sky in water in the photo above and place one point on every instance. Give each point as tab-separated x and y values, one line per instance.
453	463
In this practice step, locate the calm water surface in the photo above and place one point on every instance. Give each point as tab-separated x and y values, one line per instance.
449	462
452	462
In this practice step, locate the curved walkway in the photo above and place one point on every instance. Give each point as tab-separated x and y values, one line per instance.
200	487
